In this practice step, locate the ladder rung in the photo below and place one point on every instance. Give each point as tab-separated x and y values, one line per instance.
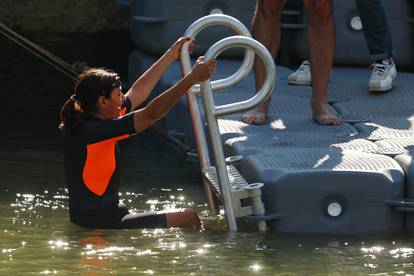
236	180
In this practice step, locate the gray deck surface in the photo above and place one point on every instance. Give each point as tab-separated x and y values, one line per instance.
291	149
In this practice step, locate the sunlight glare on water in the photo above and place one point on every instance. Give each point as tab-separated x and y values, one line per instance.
37	238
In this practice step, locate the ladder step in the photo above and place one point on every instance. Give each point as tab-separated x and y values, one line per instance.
237	181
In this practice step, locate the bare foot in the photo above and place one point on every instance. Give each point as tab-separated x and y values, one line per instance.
324	116
256	116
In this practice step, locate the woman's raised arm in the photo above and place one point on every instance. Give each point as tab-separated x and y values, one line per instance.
160	106
143	86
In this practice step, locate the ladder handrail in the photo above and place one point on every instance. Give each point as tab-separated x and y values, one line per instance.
198	127
212	112
215	20
268	84
192	31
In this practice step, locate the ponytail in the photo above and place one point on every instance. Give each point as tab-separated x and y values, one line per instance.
70	115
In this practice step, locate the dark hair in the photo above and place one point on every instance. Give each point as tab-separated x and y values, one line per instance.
91	84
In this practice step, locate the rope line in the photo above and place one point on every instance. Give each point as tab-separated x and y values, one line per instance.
36	50
35	46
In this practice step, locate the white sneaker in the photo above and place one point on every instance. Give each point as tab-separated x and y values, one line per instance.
383	73
302	76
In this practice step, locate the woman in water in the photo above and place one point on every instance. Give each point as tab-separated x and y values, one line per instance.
98	115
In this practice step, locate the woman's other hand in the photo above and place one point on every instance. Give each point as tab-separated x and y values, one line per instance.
202	70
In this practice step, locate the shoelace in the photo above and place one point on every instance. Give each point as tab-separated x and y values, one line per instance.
379	69
304	67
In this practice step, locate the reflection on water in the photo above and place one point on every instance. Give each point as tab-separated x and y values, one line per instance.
36	237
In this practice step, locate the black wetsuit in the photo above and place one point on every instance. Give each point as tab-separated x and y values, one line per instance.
91	166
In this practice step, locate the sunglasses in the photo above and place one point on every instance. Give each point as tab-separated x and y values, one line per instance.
115	84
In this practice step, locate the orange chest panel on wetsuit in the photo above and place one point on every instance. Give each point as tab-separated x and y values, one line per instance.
100	164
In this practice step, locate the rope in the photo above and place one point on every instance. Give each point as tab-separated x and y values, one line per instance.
35	46
41	57
59	64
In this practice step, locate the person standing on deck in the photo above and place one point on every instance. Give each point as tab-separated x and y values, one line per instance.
378	38
266	29
94	119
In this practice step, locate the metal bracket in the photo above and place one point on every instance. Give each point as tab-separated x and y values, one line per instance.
403	205
246	198
265	217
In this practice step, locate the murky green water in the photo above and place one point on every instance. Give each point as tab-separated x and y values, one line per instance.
37	238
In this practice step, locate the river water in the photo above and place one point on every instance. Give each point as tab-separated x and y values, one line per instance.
36	237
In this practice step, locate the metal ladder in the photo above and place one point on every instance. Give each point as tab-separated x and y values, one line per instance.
223	179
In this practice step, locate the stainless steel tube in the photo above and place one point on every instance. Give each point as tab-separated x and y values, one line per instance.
231	23
192	31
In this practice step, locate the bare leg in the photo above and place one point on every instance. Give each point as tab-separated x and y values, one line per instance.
321	44
266	30
185	218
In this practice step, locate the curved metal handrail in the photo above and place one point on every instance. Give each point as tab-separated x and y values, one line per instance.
265	90
212	112
198	127
214	20
192	31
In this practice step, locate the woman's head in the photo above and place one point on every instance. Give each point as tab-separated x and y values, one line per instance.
97	92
